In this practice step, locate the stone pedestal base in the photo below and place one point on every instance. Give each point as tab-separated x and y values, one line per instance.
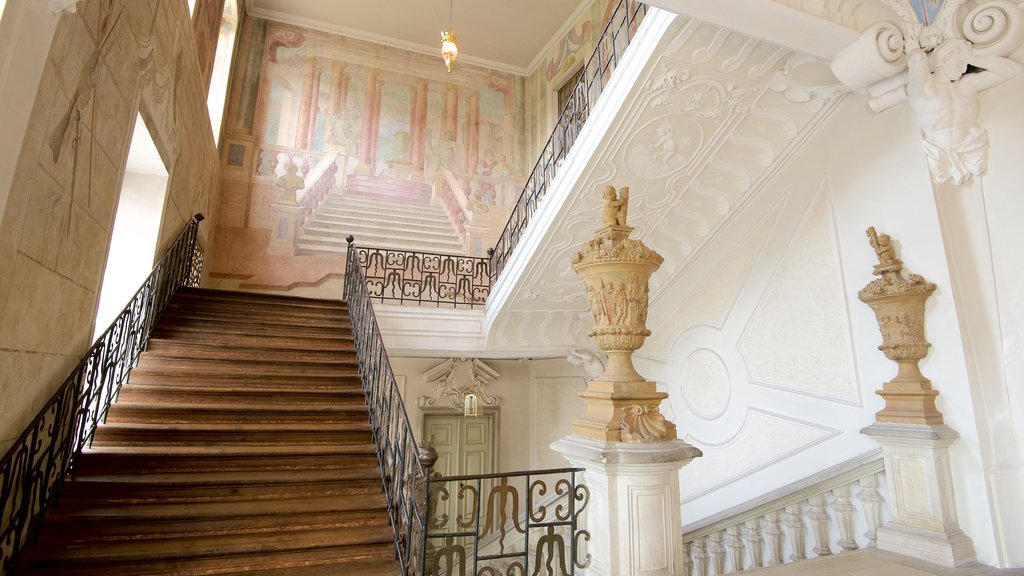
633	515
608	401
285	219
924	521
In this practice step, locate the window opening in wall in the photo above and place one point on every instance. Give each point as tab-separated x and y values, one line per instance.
565	91
133	242
191	7
222	67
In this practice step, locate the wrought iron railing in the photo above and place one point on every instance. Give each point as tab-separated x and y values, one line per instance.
34	468
424	278
618	32
403	471
515	523
487	525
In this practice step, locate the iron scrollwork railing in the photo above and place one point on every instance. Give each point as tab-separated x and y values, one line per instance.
618	32
35	466
424	278
515	524
403	470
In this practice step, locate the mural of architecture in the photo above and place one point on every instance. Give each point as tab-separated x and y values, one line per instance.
328	136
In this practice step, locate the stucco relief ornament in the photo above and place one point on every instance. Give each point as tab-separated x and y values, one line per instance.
938	67
621	405
898	304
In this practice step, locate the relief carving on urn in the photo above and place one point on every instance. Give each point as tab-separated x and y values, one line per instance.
899	304
621	405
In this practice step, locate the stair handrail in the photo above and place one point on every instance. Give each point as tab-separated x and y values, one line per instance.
33	470
617	34
404	464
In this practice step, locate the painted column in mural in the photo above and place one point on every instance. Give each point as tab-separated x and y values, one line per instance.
339	89
371	124
418	126
310	90
473	133
451	112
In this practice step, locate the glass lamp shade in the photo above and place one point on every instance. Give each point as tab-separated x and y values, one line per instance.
449	49
472	406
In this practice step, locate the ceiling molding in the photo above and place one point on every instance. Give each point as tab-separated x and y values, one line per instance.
378	39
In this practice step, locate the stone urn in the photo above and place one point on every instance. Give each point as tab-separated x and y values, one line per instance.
621	404
898	304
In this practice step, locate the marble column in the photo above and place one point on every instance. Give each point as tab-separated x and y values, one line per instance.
418	126
310	82
628	450
915	442
314	107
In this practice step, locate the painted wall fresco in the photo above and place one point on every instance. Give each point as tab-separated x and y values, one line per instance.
563	59
328	136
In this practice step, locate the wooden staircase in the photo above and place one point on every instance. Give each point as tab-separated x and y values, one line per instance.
240	445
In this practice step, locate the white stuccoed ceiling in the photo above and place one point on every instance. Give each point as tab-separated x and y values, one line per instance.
503	34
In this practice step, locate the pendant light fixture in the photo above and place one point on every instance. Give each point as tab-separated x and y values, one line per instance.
449	49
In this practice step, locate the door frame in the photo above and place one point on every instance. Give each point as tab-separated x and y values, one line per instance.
491	412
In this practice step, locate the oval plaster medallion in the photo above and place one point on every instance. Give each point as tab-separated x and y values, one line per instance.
664	145
705	384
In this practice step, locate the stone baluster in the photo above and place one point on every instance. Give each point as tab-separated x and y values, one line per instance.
845	517
734	547
774	536
752	536
700	557
717	551
687	559
821	524
871	500
796	531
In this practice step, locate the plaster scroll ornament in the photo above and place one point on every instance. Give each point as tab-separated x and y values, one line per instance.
621	406
806	79
454	379
938	66
898	303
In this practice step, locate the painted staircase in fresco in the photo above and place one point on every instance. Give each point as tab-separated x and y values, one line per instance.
240	445
377	221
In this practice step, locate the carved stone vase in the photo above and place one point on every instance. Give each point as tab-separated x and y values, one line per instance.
621	404
899	304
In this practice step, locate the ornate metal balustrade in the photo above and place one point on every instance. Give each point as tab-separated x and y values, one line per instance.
34	468
515	524
621	28
423	278
403	470
489	525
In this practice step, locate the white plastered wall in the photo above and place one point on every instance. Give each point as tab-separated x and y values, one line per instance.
771	361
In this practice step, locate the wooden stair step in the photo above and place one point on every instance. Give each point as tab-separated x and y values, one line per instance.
255	368
241	327
345	379
372	568
163	459
250	315
126	412
135	392
369	541
217	336
207	433
198	351
210	297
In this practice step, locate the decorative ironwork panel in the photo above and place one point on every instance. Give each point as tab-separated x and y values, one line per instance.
619	31
424	279
34	468
517	524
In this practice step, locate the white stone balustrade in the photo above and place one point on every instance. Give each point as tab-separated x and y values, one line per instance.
838	513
